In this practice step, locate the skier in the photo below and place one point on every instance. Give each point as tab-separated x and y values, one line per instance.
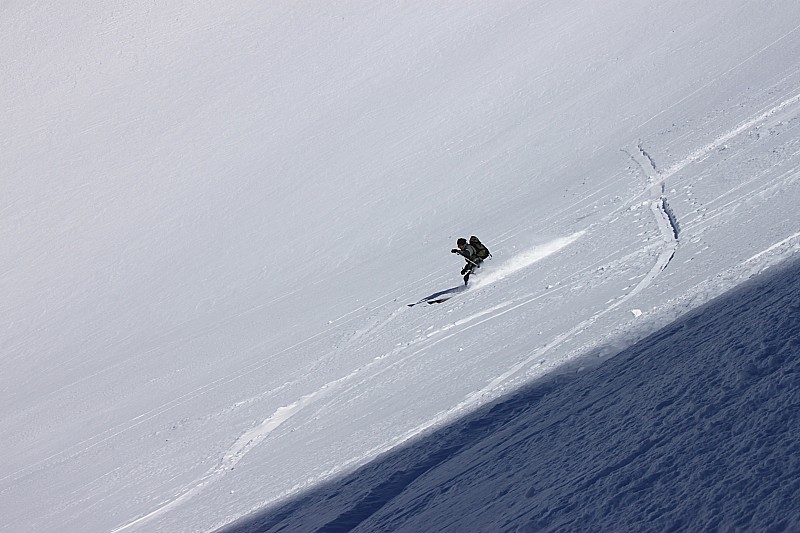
473	253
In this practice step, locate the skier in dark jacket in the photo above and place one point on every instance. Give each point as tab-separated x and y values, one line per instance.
470	254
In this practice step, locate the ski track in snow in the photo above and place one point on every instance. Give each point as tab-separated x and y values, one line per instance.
499	385
496	386
668	227
121	428
720	141
256	435
774	247
359	324
665	217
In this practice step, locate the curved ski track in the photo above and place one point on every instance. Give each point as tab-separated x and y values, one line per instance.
669	228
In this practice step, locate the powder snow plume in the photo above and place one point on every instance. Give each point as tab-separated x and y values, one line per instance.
527	258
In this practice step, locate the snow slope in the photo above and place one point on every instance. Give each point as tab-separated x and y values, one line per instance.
693	428
214	217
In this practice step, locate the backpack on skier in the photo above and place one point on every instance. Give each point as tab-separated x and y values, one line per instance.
482	252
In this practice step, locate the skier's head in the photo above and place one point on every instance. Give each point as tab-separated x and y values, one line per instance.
462	242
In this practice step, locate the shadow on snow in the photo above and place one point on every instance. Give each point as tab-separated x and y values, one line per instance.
694	427
440	296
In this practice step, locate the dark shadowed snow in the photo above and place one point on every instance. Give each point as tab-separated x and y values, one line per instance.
694	428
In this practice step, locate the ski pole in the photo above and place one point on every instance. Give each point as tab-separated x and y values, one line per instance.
470	260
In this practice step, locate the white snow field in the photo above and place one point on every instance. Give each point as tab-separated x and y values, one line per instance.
213	217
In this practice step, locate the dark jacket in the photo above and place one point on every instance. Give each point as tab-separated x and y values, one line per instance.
470	253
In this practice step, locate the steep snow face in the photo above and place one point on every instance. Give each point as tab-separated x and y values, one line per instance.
691	428
214	216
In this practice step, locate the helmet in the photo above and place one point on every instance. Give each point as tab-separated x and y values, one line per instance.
461	242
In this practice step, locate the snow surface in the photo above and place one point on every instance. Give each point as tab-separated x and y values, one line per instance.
214	217
693	428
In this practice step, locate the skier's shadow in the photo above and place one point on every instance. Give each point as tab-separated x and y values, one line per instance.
441	294
435	295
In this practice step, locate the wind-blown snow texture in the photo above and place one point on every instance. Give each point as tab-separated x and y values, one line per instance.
694	427
213	217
